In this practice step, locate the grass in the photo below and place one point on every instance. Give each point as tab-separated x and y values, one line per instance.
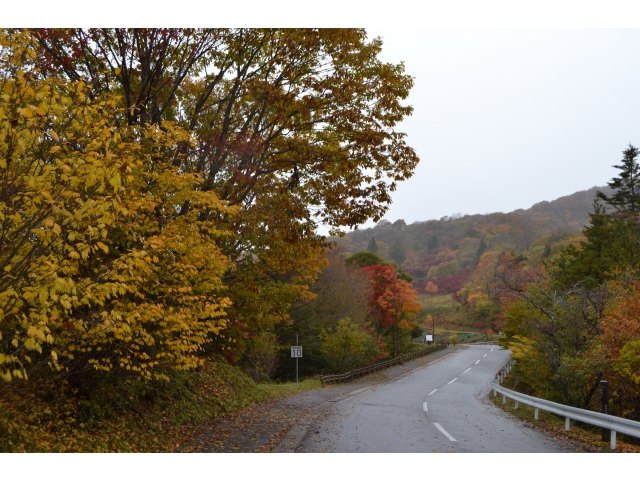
587	438
443	301
279	390
138	416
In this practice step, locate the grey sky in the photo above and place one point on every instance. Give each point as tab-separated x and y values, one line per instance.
506	118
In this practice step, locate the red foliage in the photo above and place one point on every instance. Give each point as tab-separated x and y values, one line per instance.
391	298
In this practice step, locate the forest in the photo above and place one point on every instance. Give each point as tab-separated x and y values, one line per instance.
161	191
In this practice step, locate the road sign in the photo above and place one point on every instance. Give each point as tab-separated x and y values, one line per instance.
296	352
429	338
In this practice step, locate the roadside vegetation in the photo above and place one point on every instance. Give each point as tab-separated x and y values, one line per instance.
584	437
134	416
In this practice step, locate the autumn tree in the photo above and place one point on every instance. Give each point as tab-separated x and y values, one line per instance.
393	302
431	288
99	270
295	127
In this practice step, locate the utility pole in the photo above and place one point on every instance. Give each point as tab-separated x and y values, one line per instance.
433	332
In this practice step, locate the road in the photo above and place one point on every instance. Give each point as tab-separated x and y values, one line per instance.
442	407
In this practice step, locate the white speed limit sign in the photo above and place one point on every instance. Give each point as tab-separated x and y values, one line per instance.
296	352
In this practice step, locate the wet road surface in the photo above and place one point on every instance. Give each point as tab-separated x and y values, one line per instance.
442	407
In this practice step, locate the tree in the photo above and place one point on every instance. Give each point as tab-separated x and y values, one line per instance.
412	260
348	346
372	246
626	198
431	288
365	259
99	270
398	253
294	127
393	302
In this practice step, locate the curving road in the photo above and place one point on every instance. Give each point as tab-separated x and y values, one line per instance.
442	407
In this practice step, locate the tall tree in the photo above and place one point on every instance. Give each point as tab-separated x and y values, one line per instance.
372	245
626	197
295	127
393	302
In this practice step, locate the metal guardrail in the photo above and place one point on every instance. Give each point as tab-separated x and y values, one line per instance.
376	367
614	424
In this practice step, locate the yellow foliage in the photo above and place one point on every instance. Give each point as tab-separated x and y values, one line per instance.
107	271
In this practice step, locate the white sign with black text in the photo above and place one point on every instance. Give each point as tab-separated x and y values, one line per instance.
296	352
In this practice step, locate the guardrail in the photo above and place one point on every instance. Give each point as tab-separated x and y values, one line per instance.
614	424
376	367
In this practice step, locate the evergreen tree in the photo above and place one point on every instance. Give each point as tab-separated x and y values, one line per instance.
627	185
398	253
372	246
611	248
481	249
432	244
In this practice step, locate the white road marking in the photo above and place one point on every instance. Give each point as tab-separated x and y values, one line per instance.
491	350
424	407
478	362
485	355
467	370
433	391
446	434
452	381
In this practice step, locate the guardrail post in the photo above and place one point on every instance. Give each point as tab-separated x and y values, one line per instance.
516	406
567	423
504	399
613	439
495	392
535	415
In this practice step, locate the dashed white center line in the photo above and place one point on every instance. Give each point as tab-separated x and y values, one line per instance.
452	381
478	362
491	350
433	392
467	370
485	355
446	434
424	407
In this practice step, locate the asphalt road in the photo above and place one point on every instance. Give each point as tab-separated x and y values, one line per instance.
442	407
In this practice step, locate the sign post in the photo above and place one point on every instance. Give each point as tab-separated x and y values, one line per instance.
603	393
296	352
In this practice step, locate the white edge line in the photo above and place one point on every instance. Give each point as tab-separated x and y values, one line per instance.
433	391
424	406
467	370
478	362
446	434
452	381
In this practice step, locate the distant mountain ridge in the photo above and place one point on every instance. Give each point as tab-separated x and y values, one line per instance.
571	212
447	250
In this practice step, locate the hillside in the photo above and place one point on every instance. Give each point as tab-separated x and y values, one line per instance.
446	251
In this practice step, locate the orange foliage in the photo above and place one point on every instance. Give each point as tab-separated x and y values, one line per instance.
620	326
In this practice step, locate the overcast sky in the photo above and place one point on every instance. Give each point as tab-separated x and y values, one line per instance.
504	119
